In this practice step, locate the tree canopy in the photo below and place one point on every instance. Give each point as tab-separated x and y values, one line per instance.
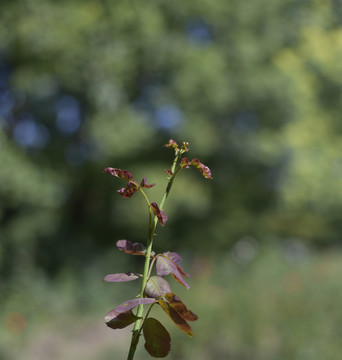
255	87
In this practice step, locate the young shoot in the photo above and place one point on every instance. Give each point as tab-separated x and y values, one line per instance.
154	290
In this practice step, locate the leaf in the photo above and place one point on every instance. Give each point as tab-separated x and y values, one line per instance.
129	190
162	266
116	320
176	303
175	317
176	259
172	144
130	304
121	277
122	174
184	163
157	338
168	171
132	248
156	286
202	168
162	218
144	185
165	266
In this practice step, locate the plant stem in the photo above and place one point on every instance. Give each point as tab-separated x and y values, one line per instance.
151	229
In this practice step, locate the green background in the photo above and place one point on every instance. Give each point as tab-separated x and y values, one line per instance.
255	87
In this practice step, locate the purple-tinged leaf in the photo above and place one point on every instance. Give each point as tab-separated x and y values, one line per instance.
130	304
145	185
157	338
202	168
116	320
175	317
165	266
184	163
121	277
180	280
172	144
129	190
122	174
180	307
162	218
162	266
173	256
132	248
168	171
176	259
156	286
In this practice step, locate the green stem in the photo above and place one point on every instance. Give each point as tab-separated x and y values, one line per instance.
146	316
151	229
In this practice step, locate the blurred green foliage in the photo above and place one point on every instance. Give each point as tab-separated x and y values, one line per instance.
255	87
275	306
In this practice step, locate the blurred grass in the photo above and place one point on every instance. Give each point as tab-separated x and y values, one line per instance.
280	303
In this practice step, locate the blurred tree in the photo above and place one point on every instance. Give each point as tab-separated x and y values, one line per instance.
253	86
310	182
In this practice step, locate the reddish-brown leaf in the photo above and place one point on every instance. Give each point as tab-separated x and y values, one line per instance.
175	317
162	218
122	174
132	248
180	307
172	144
202	168
184	163
129	190
145	185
